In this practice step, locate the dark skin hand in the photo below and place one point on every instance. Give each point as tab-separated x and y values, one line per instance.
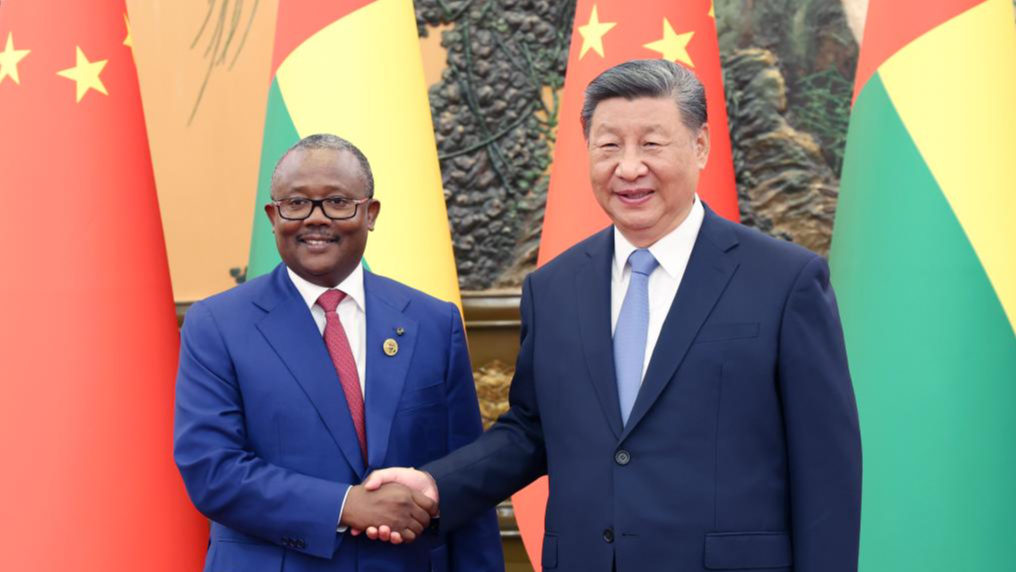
403	510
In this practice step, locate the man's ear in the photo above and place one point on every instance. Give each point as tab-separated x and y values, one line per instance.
271	212
373	208
703	146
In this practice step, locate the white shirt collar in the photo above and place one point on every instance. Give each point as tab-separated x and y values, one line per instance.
353	286
672	250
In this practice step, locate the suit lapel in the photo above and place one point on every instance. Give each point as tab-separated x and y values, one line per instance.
290	329
593	296
386	375
707	274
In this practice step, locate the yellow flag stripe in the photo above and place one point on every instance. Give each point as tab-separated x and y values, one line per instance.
954	89
362	78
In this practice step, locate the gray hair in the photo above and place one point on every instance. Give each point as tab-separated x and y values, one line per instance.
335	143
648	78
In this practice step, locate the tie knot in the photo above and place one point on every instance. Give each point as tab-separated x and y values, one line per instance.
329	299
642	261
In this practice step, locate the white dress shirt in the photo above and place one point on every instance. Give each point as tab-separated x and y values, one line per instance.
351	312
354	320
672	253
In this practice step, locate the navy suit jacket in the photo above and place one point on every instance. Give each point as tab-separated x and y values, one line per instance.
742	451
265	443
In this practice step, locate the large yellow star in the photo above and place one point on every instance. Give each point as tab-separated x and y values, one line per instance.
673	46
9	59
129	40
85	74
593	33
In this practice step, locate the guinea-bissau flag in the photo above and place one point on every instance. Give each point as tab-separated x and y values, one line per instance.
923	262
607	33
88	333
354	69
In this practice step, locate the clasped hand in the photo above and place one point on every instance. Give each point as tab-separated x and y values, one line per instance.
407	502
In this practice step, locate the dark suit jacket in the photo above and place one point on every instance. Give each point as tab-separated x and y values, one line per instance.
742	451
265	442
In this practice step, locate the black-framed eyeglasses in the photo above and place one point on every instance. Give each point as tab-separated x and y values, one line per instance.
335	208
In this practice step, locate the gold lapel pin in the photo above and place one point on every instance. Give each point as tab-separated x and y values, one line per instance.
400	331
391	347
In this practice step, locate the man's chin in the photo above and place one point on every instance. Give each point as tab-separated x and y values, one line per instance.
315	272
638	216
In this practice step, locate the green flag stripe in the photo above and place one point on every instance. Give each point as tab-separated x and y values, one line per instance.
931	355
280	135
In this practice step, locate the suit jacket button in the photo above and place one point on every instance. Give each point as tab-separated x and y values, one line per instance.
622	457
608	535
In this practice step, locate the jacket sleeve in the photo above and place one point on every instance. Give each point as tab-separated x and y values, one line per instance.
225	478
508	456
477	545
821	425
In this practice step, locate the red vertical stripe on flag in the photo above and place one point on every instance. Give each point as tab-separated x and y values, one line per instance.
301	19
892	24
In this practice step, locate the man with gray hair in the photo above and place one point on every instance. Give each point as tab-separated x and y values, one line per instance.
682	380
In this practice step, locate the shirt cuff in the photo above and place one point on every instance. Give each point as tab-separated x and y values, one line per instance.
341	528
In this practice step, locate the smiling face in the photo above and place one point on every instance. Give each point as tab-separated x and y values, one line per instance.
320	250
644	165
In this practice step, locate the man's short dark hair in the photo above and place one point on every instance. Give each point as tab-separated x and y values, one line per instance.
648	78
335	143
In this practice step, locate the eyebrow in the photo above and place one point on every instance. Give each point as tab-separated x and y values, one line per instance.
655	127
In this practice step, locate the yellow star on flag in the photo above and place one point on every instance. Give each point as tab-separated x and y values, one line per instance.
673	46
711	13
85	74
593	34
128	41
9	59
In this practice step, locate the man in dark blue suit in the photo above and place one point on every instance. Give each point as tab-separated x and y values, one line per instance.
682	379
294	386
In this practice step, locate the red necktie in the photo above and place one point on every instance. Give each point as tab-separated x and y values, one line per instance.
342	358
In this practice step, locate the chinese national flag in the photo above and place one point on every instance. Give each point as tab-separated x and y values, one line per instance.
607	33
88	338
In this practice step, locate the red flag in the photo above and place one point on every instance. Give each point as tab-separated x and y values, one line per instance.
88	335
607	33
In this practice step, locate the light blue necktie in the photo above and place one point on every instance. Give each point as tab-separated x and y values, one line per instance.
630	331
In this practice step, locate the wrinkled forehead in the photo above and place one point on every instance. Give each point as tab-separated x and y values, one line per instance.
312	169
635	115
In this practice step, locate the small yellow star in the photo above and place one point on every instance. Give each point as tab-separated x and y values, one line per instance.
673	46
128	41
593	34
711	13
9	59
85	74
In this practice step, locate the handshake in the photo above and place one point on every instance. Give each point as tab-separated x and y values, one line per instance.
393	505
